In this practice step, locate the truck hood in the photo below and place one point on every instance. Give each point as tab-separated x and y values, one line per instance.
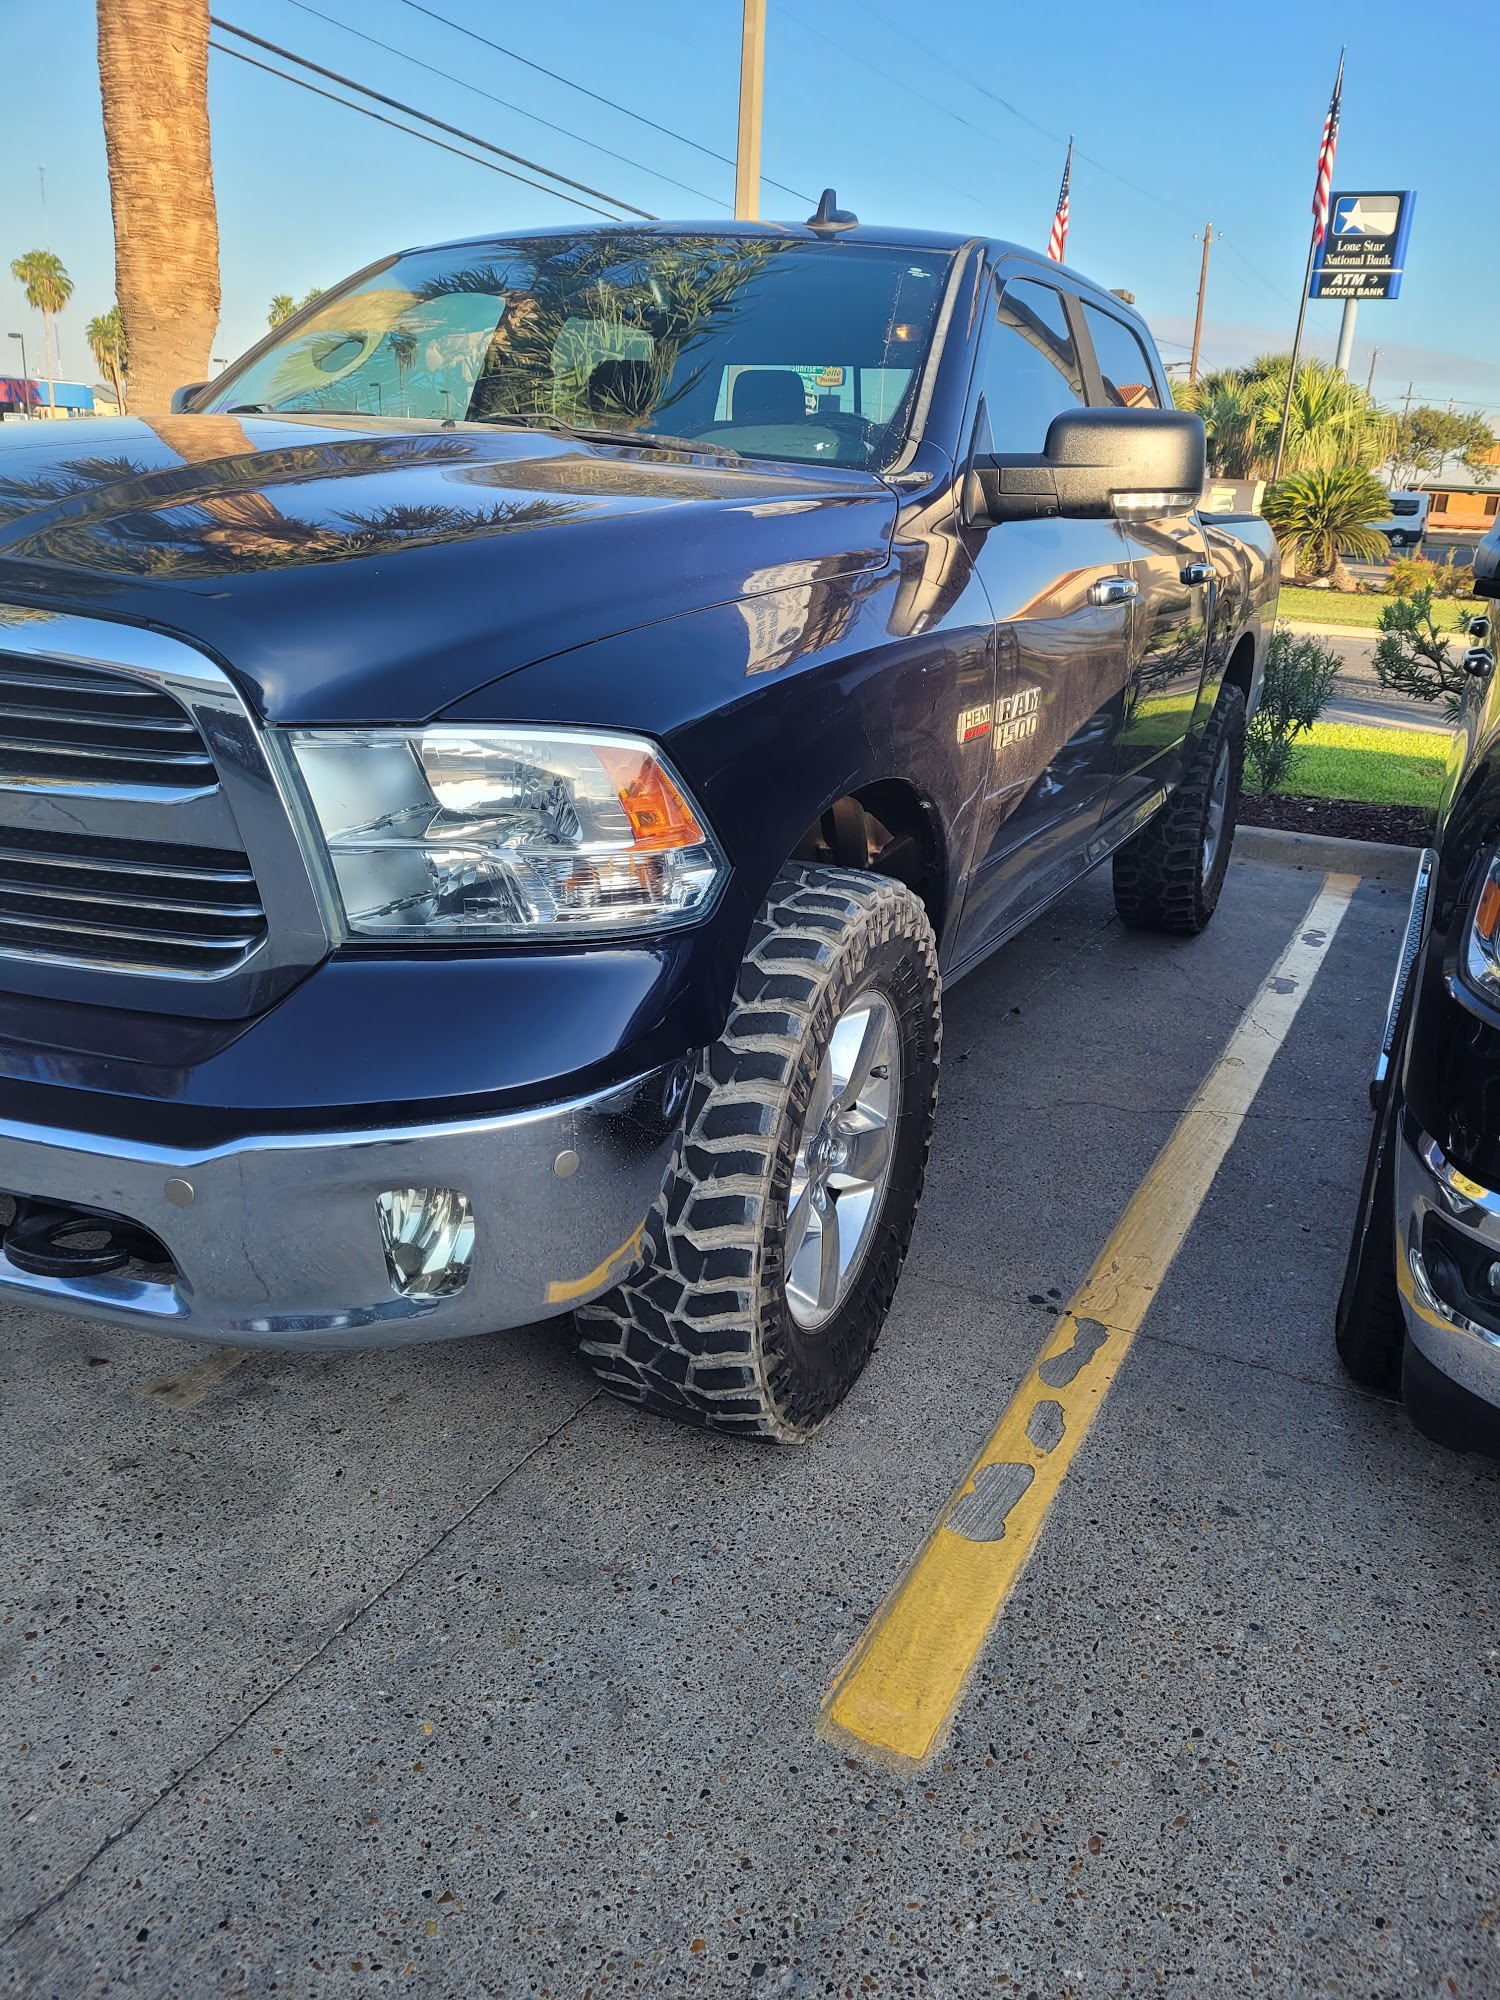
349	571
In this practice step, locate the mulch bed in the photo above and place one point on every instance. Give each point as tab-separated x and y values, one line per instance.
1340	819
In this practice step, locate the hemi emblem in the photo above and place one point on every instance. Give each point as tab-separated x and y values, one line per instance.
974	722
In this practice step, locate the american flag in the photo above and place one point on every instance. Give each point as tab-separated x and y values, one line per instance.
1325	159
1057	242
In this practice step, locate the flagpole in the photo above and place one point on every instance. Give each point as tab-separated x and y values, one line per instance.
1291	379
1291	376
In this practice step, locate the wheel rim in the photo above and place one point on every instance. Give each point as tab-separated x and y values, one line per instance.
843	1160
1218	811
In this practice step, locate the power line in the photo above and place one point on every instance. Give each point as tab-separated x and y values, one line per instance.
426	137
899	84
557	77
505	104
1057	139
469	138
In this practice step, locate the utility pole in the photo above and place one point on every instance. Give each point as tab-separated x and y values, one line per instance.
1206	239
752	80
1370	379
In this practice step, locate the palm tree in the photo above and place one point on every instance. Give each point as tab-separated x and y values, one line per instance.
1331	422
283	305
153	79
1321	516
1228	406
48	288
106	338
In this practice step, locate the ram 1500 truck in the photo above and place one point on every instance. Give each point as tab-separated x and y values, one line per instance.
493	785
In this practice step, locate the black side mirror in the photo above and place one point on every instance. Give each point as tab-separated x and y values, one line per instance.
1487	565
1098	464
182	399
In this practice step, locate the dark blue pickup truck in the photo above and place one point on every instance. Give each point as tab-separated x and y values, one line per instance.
491	787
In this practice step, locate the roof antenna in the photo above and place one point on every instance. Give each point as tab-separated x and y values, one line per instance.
830	218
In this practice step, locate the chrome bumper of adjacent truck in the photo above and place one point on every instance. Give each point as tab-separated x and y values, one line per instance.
1459	1346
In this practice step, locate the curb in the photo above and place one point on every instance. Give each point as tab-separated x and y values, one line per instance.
1321	850
1327	630
1324	630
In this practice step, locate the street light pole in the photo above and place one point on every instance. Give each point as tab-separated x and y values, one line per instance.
1208	237
25	372
752	79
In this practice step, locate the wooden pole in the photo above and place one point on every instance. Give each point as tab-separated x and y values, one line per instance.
1208	237
752	80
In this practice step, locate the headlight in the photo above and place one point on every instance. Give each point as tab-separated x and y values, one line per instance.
505	833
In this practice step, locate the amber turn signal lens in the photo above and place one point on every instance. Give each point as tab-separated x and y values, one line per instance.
1487	916
660	817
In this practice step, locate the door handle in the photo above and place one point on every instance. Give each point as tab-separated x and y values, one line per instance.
1197	572
1114	590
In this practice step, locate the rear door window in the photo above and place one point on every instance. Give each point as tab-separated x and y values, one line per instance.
1129	382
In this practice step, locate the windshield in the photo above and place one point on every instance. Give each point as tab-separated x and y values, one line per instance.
785	350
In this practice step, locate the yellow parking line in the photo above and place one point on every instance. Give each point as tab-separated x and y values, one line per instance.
901	1685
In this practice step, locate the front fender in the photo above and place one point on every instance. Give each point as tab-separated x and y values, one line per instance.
773	707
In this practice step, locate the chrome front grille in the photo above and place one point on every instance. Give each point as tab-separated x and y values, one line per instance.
148	858
68	724
134	905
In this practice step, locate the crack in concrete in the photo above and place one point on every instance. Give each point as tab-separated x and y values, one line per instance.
345	1625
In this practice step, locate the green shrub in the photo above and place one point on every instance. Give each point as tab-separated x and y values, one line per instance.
1300	673
1409	573
1453	579
1412	656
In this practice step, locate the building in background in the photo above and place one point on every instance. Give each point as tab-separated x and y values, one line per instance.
1460	504
20	395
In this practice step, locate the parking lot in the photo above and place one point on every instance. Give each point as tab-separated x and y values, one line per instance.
437	1672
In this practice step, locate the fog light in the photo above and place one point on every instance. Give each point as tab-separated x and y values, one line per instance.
1492	1279
429	1240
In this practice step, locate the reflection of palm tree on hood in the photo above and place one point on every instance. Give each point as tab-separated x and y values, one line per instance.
239	526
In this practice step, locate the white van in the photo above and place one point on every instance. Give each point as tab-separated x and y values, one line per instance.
1408	522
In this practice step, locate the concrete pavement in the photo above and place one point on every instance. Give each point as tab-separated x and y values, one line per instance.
436	1673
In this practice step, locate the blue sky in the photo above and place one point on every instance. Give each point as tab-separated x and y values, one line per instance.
1215	116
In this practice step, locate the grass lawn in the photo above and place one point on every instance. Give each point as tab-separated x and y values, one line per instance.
1373	764
1337	607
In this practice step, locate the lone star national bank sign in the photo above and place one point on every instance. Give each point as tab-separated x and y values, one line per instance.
1363	251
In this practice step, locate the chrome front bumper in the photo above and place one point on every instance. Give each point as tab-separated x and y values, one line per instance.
280	1244
1459	1347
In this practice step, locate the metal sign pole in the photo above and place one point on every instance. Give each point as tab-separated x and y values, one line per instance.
1346	336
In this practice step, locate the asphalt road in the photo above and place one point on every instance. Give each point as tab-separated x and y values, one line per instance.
436	1673
1359	697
